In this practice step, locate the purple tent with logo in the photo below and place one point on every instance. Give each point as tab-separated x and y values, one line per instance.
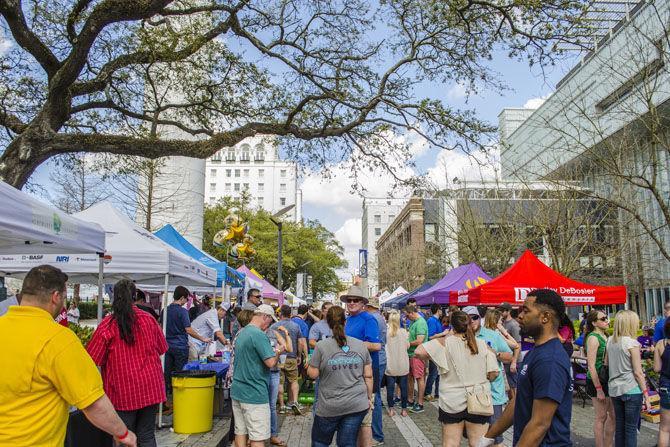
269	291
461	278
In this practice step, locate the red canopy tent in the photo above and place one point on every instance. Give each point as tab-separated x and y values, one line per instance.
529	273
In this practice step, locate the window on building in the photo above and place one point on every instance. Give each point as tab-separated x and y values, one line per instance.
212	186
236	186
216	157
228	187
245	173
260	153
261	187
212	172
212	200
260	200
430	232
282	187
378	231
244	154
228	172
261	173
282	173
378	218
237	172
230	155
245	186
282	201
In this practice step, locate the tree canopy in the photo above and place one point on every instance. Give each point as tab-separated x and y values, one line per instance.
333	78
308	247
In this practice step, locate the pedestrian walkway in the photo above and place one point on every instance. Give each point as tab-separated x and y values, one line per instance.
165	437
423	430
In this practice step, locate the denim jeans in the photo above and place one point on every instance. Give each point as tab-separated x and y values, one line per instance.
377	428
433	379
143	423
391	382
627	411
175	359
346	426
274	392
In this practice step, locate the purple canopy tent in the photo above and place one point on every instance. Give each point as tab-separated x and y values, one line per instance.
461	278
269	291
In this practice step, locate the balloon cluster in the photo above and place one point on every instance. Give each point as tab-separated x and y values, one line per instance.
234	236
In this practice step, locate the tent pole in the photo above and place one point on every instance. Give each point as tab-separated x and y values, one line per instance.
101	264
164	310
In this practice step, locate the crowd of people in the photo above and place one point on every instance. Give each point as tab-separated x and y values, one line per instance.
488	368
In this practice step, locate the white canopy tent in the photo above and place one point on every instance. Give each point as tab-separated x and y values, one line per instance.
131	253
32	227
37	231
396	293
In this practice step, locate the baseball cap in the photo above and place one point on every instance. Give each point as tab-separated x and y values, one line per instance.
471	310
505	306
266	309
225	306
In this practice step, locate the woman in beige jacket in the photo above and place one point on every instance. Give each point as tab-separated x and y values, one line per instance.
397	362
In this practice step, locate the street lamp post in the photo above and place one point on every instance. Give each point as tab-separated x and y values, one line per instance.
275	220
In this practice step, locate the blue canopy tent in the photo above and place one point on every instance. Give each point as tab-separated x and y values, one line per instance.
224	273
400	301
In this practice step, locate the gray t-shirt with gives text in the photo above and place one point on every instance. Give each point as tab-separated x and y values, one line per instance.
342	388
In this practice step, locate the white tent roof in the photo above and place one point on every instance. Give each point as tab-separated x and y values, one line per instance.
135	254
396	293
31	227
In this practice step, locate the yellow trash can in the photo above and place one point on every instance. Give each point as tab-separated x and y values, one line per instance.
193	397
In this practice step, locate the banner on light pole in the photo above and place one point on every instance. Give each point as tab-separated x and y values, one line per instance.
363	263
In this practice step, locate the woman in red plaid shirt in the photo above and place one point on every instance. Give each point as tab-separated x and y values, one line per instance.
127	346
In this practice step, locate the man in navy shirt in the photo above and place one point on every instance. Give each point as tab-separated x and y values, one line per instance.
177	329
364	327
658	329
542	409
434	331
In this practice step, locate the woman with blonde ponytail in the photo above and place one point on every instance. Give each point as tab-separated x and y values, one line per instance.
344	368
463	362
397	362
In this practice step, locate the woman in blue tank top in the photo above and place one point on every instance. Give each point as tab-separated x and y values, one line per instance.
662	366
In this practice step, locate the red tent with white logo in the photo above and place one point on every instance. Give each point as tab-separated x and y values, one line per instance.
529	273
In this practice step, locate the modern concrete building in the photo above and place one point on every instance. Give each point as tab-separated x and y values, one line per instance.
254	166
378	213
605	127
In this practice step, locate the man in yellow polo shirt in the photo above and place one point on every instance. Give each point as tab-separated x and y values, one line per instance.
46	369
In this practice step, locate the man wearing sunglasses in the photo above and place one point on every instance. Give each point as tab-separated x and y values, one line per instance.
253	300
363	326
503	354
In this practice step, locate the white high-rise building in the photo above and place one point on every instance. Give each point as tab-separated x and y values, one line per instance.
378	213
253	165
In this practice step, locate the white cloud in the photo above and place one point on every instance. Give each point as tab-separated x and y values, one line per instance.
534	103
349	235
456	167
457	91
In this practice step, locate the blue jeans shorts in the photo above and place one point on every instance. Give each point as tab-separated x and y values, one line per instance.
664	393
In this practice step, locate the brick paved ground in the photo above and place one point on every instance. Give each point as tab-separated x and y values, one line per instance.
402	432
417	430
165	437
